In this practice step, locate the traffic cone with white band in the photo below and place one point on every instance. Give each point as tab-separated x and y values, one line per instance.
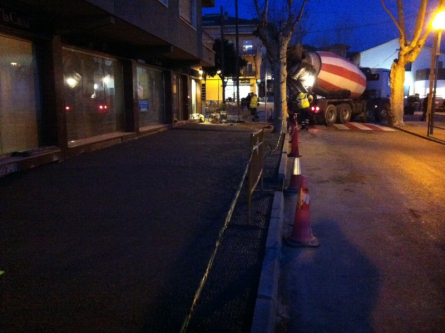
301	235
295	178
294	147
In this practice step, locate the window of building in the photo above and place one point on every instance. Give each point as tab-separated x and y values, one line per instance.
177	97
187	10
93	95
150	93
248	47
165	2
194	91
19	102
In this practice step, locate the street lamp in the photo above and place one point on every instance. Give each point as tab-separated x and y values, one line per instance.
438	25
224	85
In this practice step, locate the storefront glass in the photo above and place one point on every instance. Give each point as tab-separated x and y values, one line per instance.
177	87
150	96
193	96
19	97
93	95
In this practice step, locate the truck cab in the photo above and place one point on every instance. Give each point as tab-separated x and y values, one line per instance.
377	93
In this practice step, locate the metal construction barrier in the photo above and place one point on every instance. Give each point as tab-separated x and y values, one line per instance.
254	173
256	164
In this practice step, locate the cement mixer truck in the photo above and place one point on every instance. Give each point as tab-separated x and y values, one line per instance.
341	90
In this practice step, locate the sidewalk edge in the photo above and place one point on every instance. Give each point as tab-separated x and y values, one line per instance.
266	302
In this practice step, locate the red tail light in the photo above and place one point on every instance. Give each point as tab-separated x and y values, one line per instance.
102	108
315	109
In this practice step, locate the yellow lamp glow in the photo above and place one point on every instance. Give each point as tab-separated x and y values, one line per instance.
439	21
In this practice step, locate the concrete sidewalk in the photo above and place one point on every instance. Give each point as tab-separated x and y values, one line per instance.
415	126
118	240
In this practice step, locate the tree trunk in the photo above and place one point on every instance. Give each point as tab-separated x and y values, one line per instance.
397	94
280	93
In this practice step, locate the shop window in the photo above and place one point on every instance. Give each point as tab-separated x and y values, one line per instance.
93	95
177	97
150	93
19	101
193	96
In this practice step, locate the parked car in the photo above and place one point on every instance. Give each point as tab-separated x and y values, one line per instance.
439	104
412	103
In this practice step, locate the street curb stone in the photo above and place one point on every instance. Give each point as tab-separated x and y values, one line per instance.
266	303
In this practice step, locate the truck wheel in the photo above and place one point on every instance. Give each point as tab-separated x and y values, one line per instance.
344	113
369	116
330	114
382	114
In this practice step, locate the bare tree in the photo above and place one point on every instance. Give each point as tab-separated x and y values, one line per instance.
410	47
277	24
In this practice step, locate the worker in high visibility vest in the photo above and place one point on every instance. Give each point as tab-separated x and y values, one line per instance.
253	106
304	102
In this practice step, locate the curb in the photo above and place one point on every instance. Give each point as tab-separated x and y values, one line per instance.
282	169
266	303
421	135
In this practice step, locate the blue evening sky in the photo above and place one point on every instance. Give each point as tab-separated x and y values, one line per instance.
359	24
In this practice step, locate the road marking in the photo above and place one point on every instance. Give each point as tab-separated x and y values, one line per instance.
360	126
356	126
376	127
341	126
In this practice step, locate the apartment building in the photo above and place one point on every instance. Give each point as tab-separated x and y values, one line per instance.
79	75
250	48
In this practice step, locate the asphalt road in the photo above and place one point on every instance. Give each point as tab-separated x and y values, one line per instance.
377	207
118	240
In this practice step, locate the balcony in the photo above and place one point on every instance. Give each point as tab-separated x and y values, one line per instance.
248	52
247	72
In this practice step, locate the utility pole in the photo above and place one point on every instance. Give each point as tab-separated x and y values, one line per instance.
237	60
222	61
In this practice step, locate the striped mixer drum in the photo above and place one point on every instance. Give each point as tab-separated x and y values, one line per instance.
337	73
334	73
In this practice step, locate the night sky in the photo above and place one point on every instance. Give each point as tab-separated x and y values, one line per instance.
359	24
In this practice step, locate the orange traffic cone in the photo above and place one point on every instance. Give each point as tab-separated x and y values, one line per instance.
301	235
294	147
295	178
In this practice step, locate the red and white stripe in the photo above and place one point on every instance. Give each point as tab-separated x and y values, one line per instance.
337	73
363	127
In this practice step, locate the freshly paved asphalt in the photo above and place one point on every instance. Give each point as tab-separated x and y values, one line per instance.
118	240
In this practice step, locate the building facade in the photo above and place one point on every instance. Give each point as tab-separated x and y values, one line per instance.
79	75
417	73
250	48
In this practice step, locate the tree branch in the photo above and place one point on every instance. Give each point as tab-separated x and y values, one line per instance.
402	32
419	22
401	17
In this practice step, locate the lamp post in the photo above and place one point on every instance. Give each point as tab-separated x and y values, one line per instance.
237	60
258	83
224	85
438	26
219	72
222	60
